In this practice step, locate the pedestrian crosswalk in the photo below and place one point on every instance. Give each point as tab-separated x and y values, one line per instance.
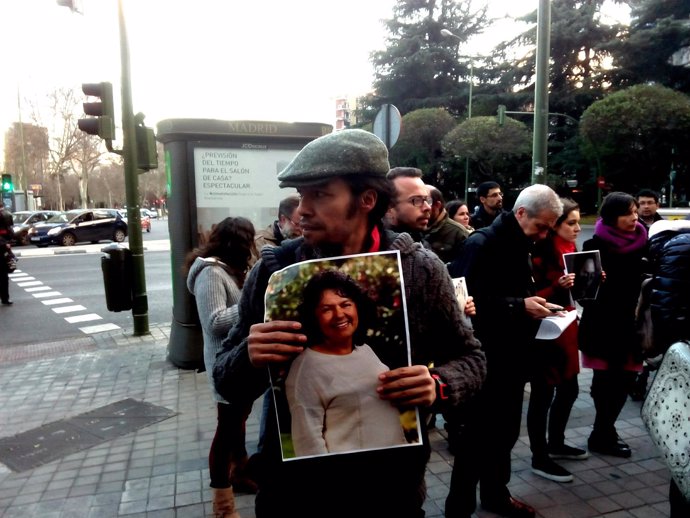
61	305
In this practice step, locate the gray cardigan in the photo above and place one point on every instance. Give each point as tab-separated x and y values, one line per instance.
216	295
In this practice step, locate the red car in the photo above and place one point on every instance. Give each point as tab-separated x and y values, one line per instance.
145	220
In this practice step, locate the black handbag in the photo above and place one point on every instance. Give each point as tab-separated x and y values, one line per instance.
10	258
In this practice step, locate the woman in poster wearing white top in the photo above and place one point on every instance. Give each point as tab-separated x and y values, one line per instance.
331	386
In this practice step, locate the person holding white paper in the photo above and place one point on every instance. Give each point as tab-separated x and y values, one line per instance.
556	362
496	265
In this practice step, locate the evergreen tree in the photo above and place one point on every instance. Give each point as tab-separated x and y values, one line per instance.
420	68
655	45
578	76
578	69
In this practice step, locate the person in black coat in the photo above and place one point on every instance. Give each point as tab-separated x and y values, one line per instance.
496	265
669	251
490	205
606	334
6	236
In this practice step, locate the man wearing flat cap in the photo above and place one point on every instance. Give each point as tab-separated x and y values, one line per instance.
341	179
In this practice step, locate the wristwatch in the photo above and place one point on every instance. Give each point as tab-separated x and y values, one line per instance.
441	387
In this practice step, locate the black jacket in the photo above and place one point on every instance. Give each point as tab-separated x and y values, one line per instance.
496	265
480	218
607	326
670	297
6	230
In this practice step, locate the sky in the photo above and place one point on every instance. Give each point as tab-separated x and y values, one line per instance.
222	59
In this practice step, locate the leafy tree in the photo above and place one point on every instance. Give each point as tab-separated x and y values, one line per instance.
419	144
659	30
637	135
420	67
495	151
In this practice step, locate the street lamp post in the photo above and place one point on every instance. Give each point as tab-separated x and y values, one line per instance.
541	93
446	33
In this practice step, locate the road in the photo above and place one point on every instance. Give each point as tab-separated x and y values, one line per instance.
57	288
58	292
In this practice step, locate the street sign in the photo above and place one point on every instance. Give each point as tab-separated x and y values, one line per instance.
387	125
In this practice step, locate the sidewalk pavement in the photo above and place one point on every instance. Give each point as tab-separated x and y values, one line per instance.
160	470
152	245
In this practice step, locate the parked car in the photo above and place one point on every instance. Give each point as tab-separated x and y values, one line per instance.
151	213
23	220
76	226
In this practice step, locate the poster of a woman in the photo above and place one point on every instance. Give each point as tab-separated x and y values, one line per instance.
353	312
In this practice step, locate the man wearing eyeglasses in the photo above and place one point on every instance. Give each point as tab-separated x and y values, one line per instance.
411	208
490	205
285	227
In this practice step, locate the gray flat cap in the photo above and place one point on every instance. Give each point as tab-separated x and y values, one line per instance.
347	152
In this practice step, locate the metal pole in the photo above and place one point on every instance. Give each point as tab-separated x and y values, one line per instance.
140	307
387	132
24	173
541	93
469	116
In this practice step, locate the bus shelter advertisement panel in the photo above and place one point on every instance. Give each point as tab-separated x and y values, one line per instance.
239	182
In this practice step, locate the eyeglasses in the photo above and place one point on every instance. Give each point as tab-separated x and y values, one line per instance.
418	201
496	195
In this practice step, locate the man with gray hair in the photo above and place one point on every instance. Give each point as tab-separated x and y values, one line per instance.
496	264
344	193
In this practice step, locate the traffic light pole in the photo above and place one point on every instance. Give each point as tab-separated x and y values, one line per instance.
140	307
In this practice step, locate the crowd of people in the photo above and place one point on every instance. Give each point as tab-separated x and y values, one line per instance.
470	365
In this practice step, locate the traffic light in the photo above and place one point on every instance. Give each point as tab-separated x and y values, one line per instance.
7	184
501	115
103	123
147	155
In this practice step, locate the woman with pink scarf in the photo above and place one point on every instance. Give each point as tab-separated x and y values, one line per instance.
607	332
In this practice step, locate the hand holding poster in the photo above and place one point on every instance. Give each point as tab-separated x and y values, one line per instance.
352	310
587	269
461	291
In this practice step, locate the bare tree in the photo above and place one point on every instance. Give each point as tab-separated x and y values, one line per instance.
70	151
106	185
